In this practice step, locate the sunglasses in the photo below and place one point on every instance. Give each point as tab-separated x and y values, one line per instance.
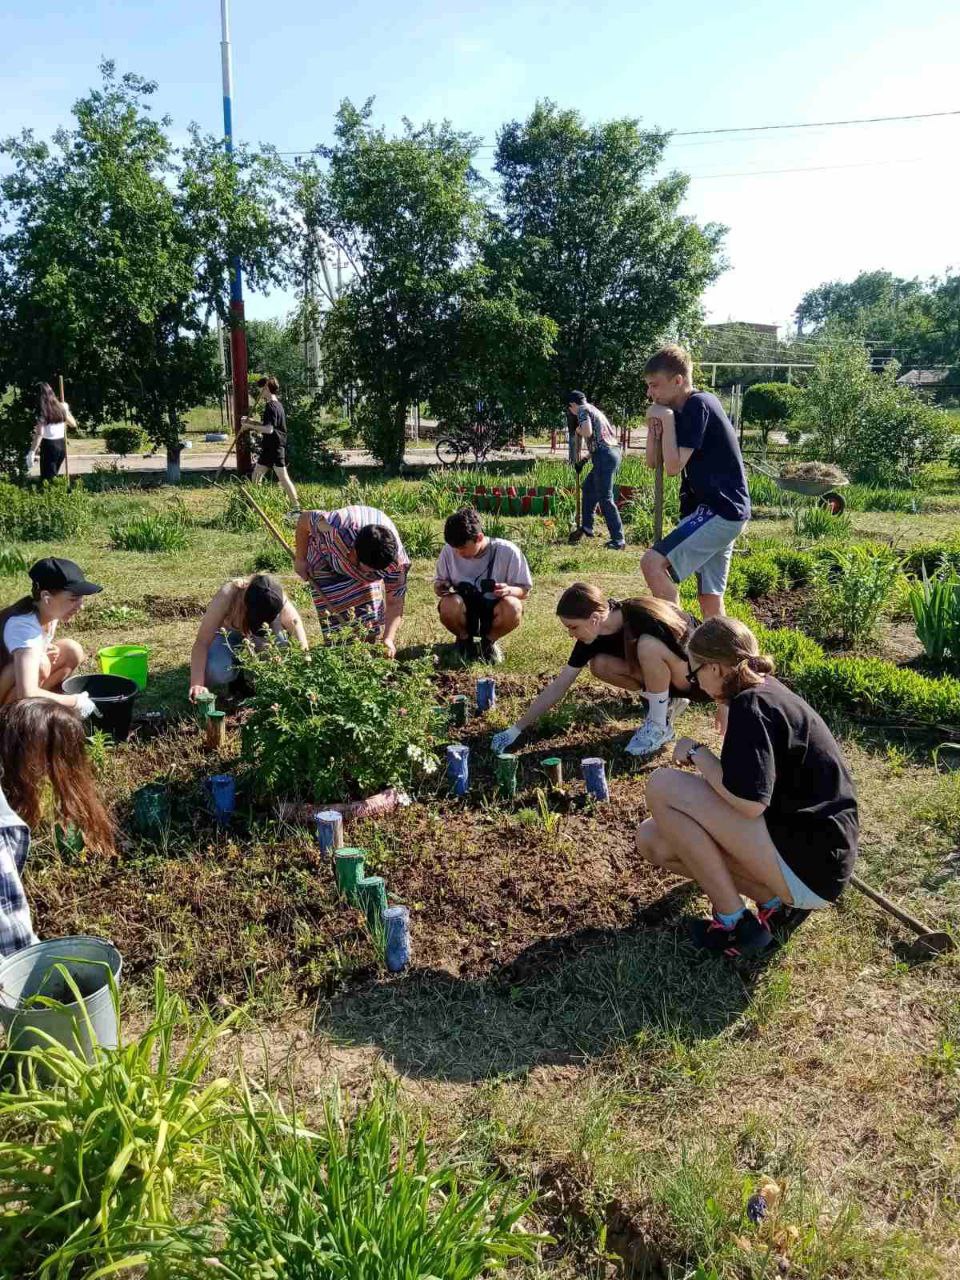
693	678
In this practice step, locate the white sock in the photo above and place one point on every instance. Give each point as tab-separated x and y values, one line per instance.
659	704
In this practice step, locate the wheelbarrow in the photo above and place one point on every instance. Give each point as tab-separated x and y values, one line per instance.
825	491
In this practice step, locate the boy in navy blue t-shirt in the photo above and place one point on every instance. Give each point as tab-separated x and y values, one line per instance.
699	443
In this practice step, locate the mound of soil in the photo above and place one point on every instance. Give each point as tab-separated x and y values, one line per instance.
171	608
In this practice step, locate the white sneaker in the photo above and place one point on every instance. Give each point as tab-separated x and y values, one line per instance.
676	707
649	739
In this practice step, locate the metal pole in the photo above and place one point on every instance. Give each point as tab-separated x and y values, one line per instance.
238	333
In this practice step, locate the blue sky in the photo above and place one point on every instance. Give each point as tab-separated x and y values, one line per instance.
864	197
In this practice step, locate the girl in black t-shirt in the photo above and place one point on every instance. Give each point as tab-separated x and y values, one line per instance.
635	644
773	817
273	448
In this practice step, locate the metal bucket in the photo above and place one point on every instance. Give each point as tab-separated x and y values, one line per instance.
32	972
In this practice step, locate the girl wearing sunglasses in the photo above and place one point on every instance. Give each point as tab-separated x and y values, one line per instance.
772	818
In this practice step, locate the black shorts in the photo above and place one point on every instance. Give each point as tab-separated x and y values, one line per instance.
52	454
273	450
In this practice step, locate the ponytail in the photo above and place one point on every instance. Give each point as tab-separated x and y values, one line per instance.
732	644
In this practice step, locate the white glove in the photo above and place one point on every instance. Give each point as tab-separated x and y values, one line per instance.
30	459
506	738
85	706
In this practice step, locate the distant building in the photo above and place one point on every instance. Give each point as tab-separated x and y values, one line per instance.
923	379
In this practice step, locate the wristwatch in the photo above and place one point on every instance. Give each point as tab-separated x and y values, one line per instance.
696	747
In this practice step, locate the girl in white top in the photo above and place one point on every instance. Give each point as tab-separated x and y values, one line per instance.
50	433
33	662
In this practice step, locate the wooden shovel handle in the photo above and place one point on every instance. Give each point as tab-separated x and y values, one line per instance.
891	907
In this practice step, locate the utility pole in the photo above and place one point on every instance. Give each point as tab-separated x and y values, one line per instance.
238	332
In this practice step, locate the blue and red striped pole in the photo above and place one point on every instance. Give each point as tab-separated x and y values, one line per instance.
238	332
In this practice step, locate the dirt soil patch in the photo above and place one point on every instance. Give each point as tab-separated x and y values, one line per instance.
172	608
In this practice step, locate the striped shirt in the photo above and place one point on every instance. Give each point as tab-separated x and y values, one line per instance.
337	583
16	927
603	432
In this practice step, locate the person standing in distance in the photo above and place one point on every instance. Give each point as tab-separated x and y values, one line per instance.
50	433
594	427
481	583
273	449
700	443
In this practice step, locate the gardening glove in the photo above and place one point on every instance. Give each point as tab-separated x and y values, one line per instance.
505	739
85	706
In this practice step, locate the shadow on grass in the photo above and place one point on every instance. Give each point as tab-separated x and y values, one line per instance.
560	1002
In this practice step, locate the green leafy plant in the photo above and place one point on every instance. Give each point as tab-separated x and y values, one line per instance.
157	531
271	558
761	575
935	604
932	557
99	1151
123	440
852	590
770	405
94	617
338	722
360	1197
420	538
12	562
51	513
240	517
815	522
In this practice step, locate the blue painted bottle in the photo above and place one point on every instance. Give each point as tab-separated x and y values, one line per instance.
594	775
458	768
222	788
329	825
396	928
486	693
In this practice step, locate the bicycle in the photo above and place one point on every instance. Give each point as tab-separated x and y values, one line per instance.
479	438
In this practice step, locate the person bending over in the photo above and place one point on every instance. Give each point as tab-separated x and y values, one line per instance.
50	433
33	662
273	448
700	443
243	609
773	817
42	745
594	427
481	583
636	645
357	569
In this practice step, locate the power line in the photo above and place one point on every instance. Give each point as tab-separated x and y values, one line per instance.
815	168
813	124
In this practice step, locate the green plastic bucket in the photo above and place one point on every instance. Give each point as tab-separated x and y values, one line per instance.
32	972
128	660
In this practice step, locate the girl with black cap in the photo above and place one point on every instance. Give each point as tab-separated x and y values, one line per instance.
33	662
243	609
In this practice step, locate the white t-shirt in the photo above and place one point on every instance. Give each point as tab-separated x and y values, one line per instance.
502	561
55	430
24	631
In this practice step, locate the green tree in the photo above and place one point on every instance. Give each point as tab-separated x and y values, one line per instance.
770	405
591	239
113	258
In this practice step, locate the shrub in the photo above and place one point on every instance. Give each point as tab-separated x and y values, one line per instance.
155	531
935	604
796	567
337	723
310	436
953	452
770	405
100	1151
122	440
53	512
816	522
761	575
851	592
420	538
271	558
307	1204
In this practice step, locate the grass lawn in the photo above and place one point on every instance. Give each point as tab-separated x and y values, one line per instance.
555	1024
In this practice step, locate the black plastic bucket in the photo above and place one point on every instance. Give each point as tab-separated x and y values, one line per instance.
114	697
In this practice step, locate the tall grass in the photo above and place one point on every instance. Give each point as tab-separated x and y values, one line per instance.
815	522
50	513
935	604
156	531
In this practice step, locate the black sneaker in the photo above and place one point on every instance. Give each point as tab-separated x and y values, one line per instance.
748	936
615	546
577	535
782	919
491	652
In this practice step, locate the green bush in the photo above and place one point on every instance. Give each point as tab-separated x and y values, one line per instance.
155	531
271	558
953	452
932	557
310	438
770	405
123	440
814	522
761	575
796	567
340	722
53	512
421	539
852	590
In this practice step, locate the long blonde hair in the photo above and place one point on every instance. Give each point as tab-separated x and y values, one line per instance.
732	644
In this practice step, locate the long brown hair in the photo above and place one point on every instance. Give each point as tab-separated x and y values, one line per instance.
648	616
26	604
580	600
51	409
40	741
732	644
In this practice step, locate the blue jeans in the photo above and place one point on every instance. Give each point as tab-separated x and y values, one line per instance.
598	488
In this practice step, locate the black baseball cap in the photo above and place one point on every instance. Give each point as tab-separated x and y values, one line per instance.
263	599
575	397
55	574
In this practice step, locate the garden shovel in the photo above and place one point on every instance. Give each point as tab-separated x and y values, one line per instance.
930	942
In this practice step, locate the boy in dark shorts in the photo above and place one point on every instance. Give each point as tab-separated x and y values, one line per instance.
700	443
273	449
